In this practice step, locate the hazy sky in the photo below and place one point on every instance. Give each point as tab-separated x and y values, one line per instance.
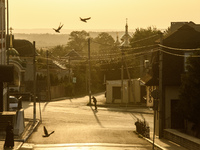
105	14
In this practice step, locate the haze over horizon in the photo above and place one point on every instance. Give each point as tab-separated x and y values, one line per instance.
64	31
105	14
68	31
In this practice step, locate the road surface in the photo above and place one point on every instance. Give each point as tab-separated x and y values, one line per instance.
75	123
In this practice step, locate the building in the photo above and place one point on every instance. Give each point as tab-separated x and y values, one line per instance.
164	77
133	92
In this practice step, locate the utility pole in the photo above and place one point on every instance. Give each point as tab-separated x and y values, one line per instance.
7	48
48	79
161	107
122	76
34	84
89	74
7	37
69	71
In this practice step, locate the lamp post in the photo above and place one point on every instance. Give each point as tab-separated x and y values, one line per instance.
34	85
122	75
89	74
161	106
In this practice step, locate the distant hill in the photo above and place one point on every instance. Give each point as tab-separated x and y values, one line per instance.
46	40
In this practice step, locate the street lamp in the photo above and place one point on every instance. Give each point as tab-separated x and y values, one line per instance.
89	74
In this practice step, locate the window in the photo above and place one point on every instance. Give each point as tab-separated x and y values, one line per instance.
187	54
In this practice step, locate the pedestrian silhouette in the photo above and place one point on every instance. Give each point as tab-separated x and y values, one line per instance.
9	141
95	102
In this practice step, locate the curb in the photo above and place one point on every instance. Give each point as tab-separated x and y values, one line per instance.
28	135
150	141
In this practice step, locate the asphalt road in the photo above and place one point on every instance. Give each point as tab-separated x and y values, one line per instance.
75	122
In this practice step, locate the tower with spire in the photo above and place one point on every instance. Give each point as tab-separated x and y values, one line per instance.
117	43
12	51
126	37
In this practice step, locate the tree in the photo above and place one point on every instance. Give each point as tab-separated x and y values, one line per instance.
59	51
105	41
143	37
78	40
190	88
189	92
142	41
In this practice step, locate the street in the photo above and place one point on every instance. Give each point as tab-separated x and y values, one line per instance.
74	122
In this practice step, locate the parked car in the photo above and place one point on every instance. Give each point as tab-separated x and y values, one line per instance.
13	103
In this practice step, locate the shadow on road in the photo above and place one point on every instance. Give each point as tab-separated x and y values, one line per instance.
26	104
134	117
94	112
45	105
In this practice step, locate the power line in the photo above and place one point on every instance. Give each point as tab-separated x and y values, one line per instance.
145	38
178	54
178	49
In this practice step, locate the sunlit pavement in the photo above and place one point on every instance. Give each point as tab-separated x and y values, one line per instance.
87	146
75	122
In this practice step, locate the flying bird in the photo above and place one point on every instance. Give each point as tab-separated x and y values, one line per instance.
85	19
58	29
46	132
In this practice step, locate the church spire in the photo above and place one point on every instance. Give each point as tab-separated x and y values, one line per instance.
12	51
117	40
126	37
126	26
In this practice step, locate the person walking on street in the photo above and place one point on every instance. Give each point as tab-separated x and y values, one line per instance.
95	102
9	141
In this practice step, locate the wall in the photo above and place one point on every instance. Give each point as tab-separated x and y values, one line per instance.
133	97
58	91
109	90
136	93
171	92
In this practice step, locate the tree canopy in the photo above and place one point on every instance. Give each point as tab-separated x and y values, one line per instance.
143	36
189	93
78	40
105	41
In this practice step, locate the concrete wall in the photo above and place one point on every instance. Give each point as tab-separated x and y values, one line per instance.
136	93
182	139
58	91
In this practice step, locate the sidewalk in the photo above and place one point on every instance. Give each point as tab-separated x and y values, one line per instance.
162	144
19	140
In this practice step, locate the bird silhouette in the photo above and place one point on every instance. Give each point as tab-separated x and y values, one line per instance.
46	132
58	29
85	19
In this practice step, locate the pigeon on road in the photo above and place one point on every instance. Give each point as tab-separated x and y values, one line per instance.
46	132
58	29
85	19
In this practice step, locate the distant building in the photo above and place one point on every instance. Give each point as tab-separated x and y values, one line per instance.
176	25
117	43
